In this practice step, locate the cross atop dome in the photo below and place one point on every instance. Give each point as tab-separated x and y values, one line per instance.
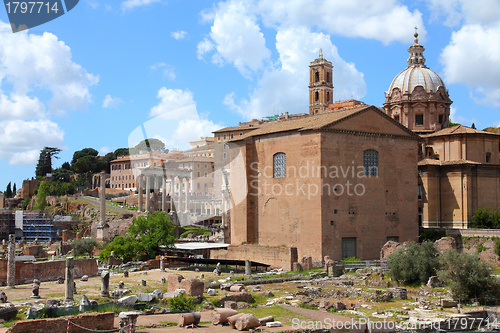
416	52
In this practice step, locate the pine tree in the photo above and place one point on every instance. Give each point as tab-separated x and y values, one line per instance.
44	165
8	191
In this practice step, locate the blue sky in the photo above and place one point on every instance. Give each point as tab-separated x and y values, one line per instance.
107	72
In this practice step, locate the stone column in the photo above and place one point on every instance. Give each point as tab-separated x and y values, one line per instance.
164	195
148	189
248	267
11	263
70	265
105	284
139	192
186	196
162	263
102	207
171	194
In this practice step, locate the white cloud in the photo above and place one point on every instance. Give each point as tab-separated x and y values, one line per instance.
473	58
204	47
104	150
33	63
456	118
297	47
111	102
19	139
468	11
37	79
178	35
175	121
132	4
168	70
237	38
382	20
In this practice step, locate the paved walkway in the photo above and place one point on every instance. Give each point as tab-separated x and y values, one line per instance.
96	203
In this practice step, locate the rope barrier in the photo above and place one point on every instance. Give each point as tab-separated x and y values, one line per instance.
92	330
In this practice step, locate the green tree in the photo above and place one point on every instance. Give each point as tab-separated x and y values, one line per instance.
41	195
122	247
8	191
468	276
62	174
415	265
84	246
88	164
143	239
44	165
121	152
84	152
14	190
149	145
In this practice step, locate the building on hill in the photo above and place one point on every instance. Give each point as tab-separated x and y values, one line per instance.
459	166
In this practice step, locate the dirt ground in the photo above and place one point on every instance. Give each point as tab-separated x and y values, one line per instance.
146	323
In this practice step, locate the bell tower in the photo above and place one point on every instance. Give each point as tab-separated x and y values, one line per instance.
320	84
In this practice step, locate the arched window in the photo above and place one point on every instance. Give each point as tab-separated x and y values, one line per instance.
279	165
316	77
316	96
370	162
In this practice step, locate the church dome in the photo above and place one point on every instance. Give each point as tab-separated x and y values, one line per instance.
416	74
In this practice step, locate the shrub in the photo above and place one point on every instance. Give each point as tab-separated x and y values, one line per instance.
181	303
468	276
483	218
415	265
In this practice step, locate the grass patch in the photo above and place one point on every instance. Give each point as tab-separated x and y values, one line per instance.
279	314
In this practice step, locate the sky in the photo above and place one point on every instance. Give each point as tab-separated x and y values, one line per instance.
107	74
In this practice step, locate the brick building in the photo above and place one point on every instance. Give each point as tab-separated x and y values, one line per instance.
459	166
326	183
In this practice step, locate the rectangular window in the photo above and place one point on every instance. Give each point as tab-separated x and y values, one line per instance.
198	174
225	136
232	136
419	119
218	137
420	191
440	119
224	155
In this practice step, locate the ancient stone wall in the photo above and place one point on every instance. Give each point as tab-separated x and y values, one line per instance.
91	321
280	257
47	270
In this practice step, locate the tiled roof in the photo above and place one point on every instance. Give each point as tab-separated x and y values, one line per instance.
457	129
430	161
314	122
238	128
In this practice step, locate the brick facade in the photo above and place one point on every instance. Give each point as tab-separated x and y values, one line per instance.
90	321
47	270
302	209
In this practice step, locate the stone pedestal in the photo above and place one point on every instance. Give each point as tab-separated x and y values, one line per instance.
128	321
105	284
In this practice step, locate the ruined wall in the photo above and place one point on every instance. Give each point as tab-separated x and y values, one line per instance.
47	270
91	321
279	257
